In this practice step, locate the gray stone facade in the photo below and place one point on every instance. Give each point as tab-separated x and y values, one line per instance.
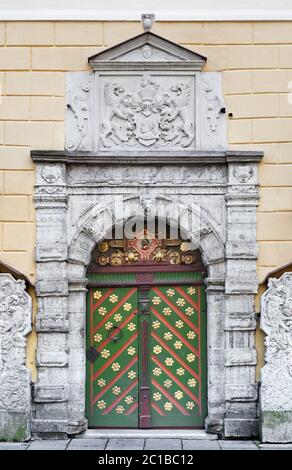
145	125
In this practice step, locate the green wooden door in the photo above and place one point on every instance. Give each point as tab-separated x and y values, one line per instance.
112	357
178	356
146	360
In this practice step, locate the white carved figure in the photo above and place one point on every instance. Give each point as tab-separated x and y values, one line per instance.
108	128
186	125
276	375
151	116
15	324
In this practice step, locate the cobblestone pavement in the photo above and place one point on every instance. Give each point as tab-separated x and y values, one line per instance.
118	444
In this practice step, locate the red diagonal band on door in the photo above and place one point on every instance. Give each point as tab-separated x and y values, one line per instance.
116	307
170	398
121	326
115	379
113	358
168	349
117	400
156	408
175	379
187	297
131	409
174	331
102	299
175	309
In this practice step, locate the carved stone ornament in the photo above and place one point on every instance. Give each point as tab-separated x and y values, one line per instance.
155	114
15	324
276	377
50	174
145	94
243	173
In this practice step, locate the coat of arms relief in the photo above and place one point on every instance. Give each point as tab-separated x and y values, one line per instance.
156	112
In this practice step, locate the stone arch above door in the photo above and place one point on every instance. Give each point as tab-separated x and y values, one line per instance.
98	221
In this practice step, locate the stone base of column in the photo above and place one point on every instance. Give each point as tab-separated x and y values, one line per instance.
214	426
49	429
241	428
76	427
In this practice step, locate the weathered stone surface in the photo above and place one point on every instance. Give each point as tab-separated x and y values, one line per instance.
166	444
276	375
125	444
15	324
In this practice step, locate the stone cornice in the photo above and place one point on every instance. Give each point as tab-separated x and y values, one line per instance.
144	158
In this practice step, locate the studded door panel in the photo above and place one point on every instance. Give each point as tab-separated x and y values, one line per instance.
112	357
177	362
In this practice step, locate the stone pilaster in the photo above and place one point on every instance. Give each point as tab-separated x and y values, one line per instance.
240	286
51	389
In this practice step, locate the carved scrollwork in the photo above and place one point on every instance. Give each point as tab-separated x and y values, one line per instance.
276	321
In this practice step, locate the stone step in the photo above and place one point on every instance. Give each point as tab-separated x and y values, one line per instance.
195	434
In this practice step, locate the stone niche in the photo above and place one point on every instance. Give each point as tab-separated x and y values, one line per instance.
15	324
276	375
145	125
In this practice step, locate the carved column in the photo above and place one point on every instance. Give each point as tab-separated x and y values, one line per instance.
276	375
215	350
51	389
241	285
15	324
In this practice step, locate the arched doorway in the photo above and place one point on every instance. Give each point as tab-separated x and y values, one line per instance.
146	334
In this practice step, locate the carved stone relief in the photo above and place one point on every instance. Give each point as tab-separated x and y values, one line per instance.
15	324
276	376
146	111
211	111
78	114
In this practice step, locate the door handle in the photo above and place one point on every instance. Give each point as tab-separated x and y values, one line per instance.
115	337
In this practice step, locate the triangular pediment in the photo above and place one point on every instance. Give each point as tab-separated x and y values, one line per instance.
147	49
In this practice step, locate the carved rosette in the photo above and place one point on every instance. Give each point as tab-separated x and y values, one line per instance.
15	324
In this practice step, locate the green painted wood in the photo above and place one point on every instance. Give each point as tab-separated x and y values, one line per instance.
112	379
178	366
111	278
178	277
175	364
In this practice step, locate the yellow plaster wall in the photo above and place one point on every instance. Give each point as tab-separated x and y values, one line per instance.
256	63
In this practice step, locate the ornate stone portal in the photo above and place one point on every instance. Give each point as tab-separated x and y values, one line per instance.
146	132
276	375
15	324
